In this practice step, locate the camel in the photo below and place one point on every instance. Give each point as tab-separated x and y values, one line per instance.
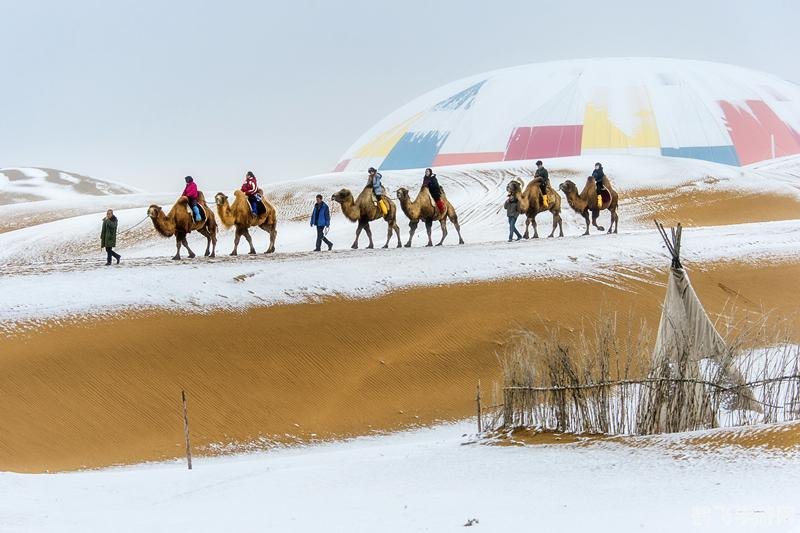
531	204
587	200
363	210
423	208
240	215
180	222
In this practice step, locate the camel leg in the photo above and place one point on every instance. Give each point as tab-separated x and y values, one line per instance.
397	232
236	241
412	228
205	233
535	229
186	244
213	243
177	255
586	218
358	234
556	223
443	222
389	230
614	221
454	219
429	229
273	233
368	230
526	235
247	236
595	215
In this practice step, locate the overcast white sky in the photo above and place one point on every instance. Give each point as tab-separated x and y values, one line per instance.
146	92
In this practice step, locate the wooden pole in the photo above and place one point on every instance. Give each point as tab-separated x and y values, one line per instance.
478	402
186	430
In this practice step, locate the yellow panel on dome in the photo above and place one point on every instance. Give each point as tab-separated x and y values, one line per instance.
600	132
381	145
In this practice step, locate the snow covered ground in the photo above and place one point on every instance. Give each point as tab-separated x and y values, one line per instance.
79	288
423	480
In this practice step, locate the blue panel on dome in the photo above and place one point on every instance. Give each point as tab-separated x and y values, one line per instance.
461	100
414	150
717	154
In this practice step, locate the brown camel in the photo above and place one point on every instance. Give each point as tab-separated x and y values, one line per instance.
531	204
363	210
180	222
587	201
423	208
240	215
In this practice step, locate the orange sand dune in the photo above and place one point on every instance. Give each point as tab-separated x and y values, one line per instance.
709	208
106	392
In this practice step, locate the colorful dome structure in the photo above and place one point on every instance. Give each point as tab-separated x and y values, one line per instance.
649	106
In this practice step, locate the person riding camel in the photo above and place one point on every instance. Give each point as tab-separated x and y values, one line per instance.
190	192
598	176
542	177
374	180
250	188
429	180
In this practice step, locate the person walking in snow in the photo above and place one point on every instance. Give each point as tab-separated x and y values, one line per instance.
250	188
512	211
190	192
108	237
429	180
321	220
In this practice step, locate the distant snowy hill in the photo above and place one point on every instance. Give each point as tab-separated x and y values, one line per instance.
19	185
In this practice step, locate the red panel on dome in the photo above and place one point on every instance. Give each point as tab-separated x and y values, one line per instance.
518	144
443	160
341	166
544	141
752	131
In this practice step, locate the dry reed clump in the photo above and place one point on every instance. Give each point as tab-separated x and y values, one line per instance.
600	380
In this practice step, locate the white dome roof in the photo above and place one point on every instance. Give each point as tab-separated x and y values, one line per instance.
667	107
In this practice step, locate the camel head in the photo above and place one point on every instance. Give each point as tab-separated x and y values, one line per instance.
153	211
568	187
220	199
342	196
402	194
514	186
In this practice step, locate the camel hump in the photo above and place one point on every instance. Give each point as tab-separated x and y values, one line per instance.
201	197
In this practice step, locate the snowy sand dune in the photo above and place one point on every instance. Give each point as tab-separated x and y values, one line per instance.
77	287
422	480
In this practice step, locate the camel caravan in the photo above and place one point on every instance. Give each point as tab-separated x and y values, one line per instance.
250	209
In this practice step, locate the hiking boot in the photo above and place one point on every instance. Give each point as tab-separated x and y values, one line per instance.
118	258
330	246
108	264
